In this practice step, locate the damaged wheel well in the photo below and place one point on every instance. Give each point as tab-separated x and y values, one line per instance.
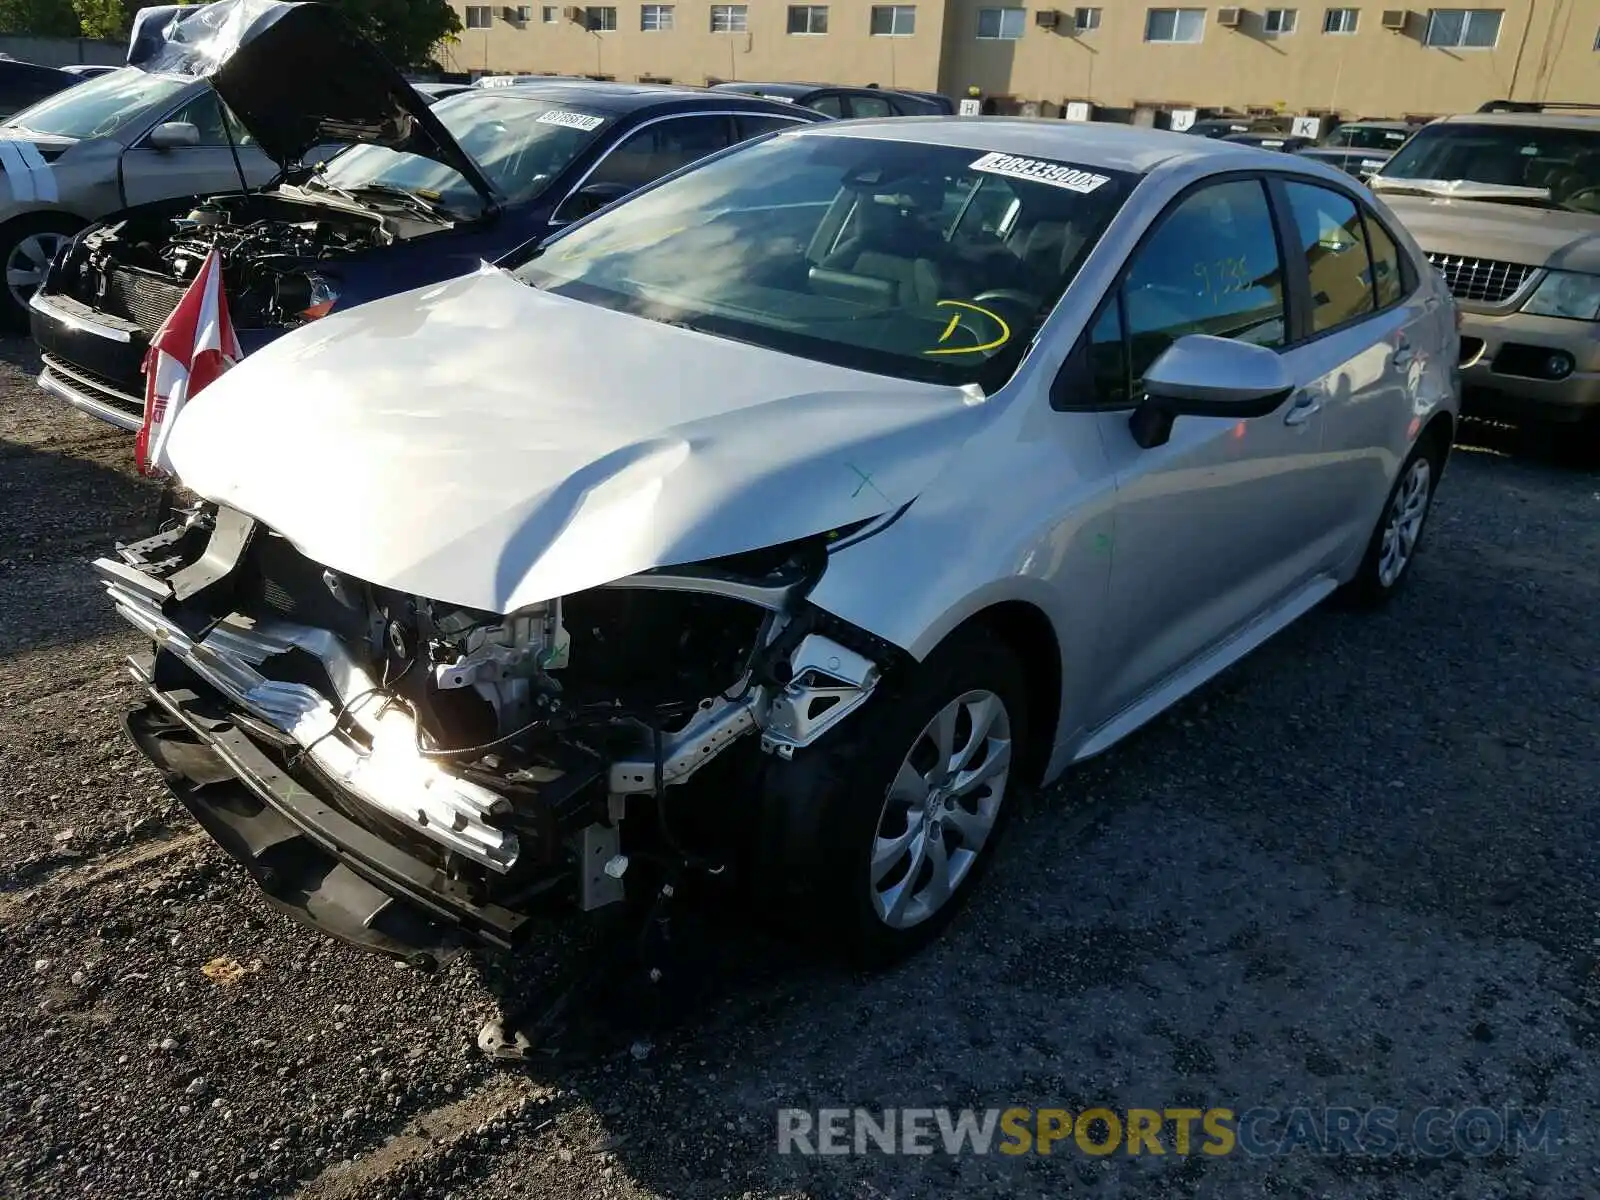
1027	632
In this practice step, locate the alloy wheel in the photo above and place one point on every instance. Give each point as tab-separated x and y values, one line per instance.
940	809
25	265
1403	524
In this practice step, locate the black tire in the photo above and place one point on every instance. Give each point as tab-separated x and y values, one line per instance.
13	237
821	811
1372	585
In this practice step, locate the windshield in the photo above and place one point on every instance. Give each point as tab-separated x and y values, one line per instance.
924	262
1563	163
520	144
1367	137
100	106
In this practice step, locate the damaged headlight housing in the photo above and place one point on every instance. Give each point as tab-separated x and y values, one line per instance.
305	297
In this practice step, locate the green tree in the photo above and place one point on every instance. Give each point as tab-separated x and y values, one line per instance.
405	30
104	19
41	18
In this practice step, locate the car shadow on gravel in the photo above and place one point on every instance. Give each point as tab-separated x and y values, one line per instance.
63	511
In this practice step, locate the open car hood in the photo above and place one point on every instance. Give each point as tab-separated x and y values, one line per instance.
485	444
297	76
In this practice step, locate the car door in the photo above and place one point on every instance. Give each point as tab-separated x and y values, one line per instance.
1365	347
149	174
1220	525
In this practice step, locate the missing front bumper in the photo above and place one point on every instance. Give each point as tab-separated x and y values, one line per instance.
311	862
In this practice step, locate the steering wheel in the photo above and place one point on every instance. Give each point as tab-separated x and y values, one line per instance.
1588	192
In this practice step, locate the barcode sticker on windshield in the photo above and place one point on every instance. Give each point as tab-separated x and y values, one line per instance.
1074	179
572	120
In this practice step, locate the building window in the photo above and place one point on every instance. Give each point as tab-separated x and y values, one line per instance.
1340	20
1278	21
730	18
1174	24
1085	20
808	18
524	13
479	16
1464	28
655	18
600	20
552	14
1001	24
894	20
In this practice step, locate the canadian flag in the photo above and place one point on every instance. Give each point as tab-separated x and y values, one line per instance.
193	346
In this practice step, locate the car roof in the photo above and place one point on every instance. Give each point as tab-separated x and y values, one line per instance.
1088	143
1376	124
1549	119
749	87
620	99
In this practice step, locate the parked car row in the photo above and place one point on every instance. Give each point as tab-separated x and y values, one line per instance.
625	479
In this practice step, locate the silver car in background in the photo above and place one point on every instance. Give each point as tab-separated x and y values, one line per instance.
823	495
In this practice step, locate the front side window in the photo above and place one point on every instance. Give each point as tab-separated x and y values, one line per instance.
1515	164
207	114
808	18
479	16
730	18
1174	24
1279	21
870	106
883	256
1464	28
1340	20
655	18
1001	24
520	144
1211	266
101	106
1335	248
1085	20
894	20
828	106
600	19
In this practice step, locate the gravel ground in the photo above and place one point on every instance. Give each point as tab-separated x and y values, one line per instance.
1357	870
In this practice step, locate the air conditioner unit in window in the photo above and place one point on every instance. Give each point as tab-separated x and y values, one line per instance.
573	14
1396	19
1047	18
1230	18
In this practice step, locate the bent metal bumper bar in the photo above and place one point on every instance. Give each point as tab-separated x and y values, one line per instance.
390	777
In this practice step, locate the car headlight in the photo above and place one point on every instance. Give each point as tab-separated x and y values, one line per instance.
1566	294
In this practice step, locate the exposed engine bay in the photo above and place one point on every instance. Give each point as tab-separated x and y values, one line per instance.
508	751
272	248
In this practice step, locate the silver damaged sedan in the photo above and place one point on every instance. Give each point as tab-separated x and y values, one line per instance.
788	517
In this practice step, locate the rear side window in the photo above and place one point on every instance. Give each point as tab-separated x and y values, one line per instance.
828	106
870	106
754	125
1330	236
1388	275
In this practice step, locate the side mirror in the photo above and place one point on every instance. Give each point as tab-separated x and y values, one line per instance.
1204	376
592	197
173	135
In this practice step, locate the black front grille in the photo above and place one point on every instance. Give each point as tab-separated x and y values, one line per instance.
137	296
1483	280
95	385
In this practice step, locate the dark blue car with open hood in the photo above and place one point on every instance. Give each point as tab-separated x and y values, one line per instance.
422	194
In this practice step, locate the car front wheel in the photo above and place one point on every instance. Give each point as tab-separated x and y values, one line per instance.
874	837
27	246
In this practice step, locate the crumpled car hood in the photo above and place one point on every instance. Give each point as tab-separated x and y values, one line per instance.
486	444
298	76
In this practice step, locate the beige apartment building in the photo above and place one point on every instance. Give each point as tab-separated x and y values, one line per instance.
1355	59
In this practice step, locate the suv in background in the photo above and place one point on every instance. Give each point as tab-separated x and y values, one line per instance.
1507	206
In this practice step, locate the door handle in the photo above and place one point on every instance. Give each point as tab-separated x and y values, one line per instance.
1403	356
1306	405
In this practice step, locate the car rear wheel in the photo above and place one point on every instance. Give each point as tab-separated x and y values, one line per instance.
27	247
873	838
1395	542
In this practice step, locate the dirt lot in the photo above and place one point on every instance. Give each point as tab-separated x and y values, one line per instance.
1358	870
